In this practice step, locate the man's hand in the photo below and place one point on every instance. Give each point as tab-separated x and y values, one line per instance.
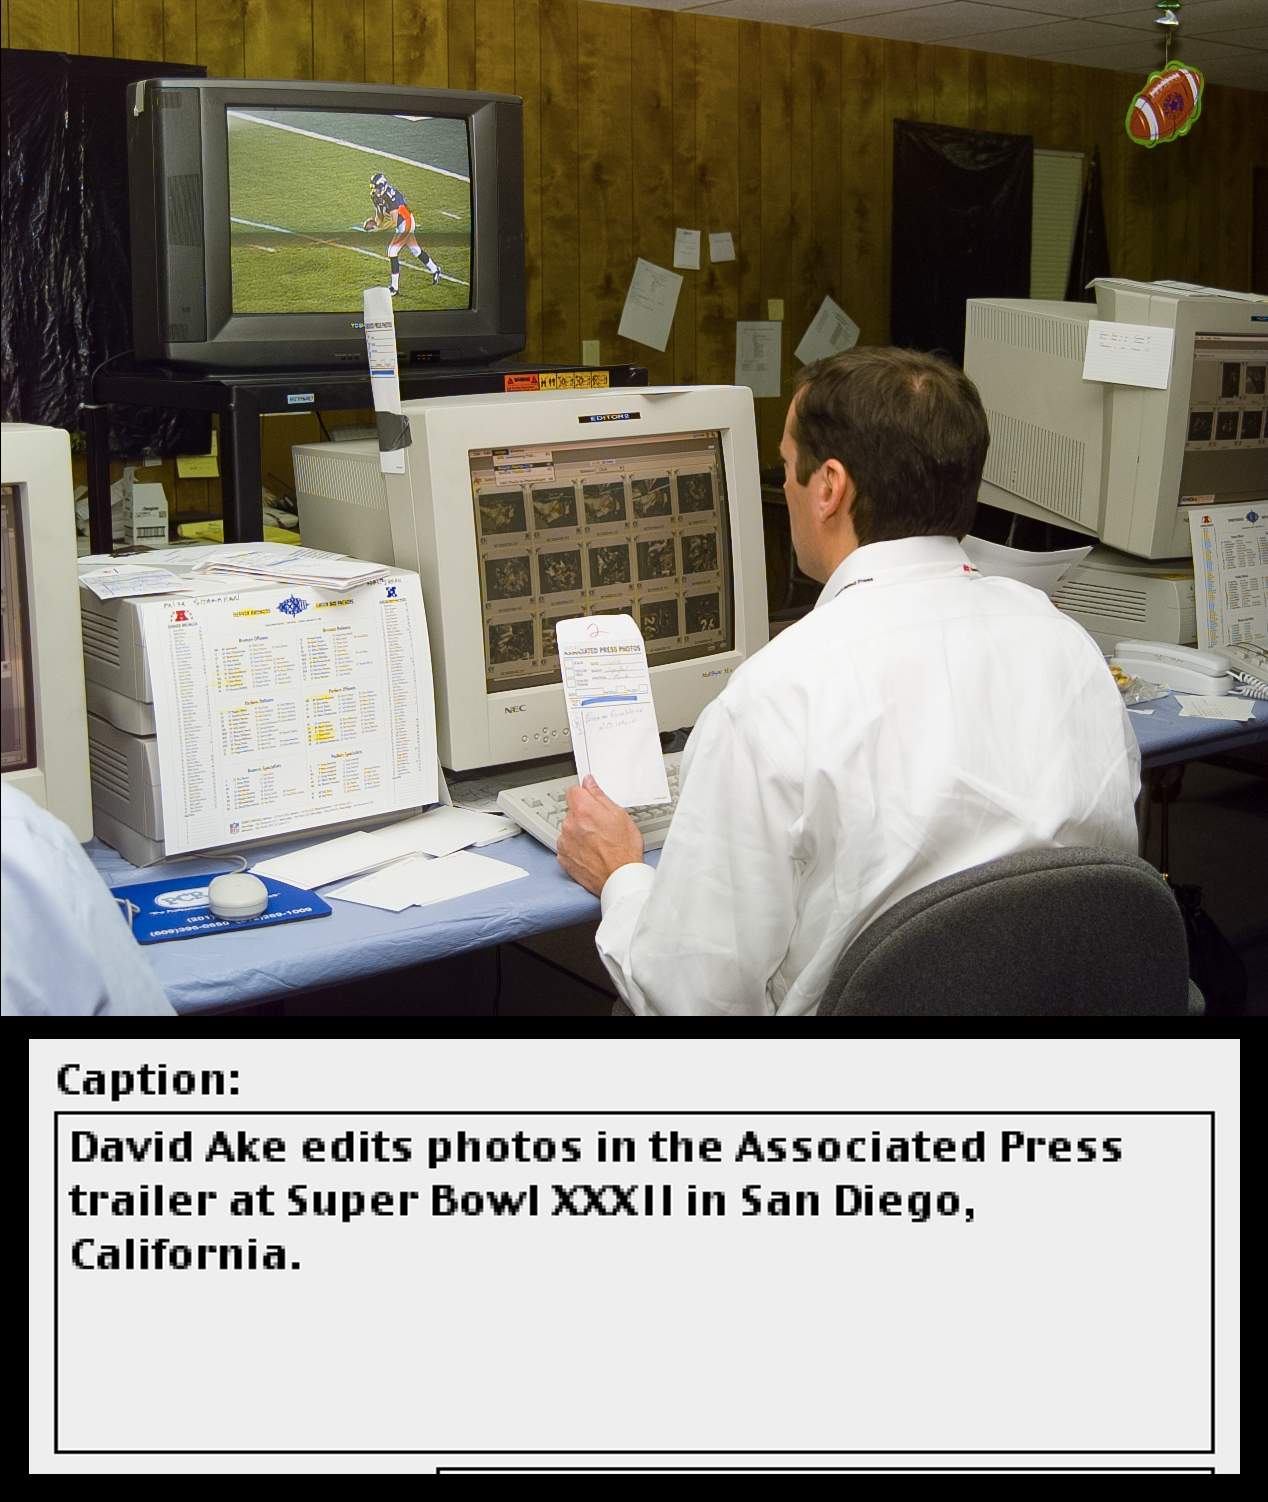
597	837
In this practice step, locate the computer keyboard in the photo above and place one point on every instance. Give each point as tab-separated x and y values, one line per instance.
541	807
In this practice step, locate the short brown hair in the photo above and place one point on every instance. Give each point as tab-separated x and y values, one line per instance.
909	429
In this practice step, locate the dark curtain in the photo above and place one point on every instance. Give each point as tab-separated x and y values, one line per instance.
65	272
961	229
1089	255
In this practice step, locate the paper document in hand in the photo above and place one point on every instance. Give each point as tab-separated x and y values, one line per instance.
648	314
832	331
1128	354
280	708
610	711
128	579
419	881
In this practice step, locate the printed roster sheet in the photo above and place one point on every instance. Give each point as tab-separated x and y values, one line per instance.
290	708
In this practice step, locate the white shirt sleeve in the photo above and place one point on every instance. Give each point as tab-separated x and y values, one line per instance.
704	934
67	951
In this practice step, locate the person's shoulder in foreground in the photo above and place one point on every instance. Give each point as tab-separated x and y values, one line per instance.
66	950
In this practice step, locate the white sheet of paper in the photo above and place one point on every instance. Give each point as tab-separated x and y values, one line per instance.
1040	570
687	249
385	382
757	357
420	880
1230	574
1215	707
330	860
1128	354
440	831
610	710
124	580
280	709
831	330
721	246
648	314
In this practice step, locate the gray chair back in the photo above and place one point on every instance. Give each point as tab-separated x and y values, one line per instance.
1071	932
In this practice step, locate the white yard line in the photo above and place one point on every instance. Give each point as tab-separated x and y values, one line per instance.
339	245
351	145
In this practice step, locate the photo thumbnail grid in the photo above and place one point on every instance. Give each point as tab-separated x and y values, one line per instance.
613	527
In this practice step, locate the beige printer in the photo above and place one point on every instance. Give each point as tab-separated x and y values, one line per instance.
1116	597
127	802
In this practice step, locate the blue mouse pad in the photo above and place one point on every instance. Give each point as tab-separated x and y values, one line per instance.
177	909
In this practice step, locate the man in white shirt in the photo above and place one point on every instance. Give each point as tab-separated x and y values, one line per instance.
921	720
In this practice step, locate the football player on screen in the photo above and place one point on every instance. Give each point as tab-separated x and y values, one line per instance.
391	210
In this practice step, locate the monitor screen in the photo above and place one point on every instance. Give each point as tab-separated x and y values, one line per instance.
634	526
17	704
324	203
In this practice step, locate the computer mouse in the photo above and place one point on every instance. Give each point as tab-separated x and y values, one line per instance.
237	895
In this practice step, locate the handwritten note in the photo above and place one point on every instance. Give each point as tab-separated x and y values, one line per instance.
610	710
1129	354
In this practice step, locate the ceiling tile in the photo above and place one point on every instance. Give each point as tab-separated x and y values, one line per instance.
1062	37
942	23
1249	36
802	12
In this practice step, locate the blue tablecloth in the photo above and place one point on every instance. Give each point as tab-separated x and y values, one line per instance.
1164	737
250	965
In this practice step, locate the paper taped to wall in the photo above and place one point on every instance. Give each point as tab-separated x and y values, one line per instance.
831	331
757	356
648	314
687	249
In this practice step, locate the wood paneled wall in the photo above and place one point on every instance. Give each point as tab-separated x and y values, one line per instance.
637	121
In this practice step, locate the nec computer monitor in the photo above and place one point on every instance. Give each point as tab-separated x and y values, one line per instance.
261	210
1121	462
44	740
521	510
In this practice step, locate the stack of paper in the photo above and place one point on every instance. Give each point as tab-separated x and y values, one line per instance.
438	832
122	580
294	566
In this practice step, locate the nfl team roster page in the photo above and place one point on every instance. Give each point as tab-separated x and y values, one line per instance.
352	1255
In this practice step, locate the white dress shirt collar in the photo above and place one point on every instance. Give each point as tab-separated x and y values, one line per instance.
876	559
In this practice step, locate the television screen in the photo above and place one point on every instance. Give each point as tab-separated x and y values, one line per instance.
324	203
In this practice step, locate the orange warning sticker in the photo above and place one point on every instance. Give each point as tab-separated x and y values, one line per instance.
559	380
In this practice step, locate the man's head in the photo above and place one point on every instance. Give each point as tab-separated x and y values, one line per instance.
880	444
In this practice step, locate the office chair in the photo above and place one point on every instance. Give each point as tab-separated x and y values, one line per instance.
1070	932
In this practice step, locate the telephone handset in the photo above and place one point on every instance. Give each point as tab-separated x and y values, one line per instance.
1183	668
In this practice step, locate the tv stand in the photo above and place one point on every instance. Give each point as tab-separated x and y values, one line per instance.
241	399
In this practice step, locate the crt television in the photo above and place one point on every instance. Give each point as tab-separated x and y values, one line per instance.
44	720
1123	463
521	510
260	210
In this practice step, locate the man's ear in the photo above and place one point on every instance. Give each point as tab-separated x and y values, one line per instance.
837	498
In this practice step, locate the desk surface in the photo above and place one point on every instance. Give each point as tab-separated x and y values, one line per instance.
250	965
